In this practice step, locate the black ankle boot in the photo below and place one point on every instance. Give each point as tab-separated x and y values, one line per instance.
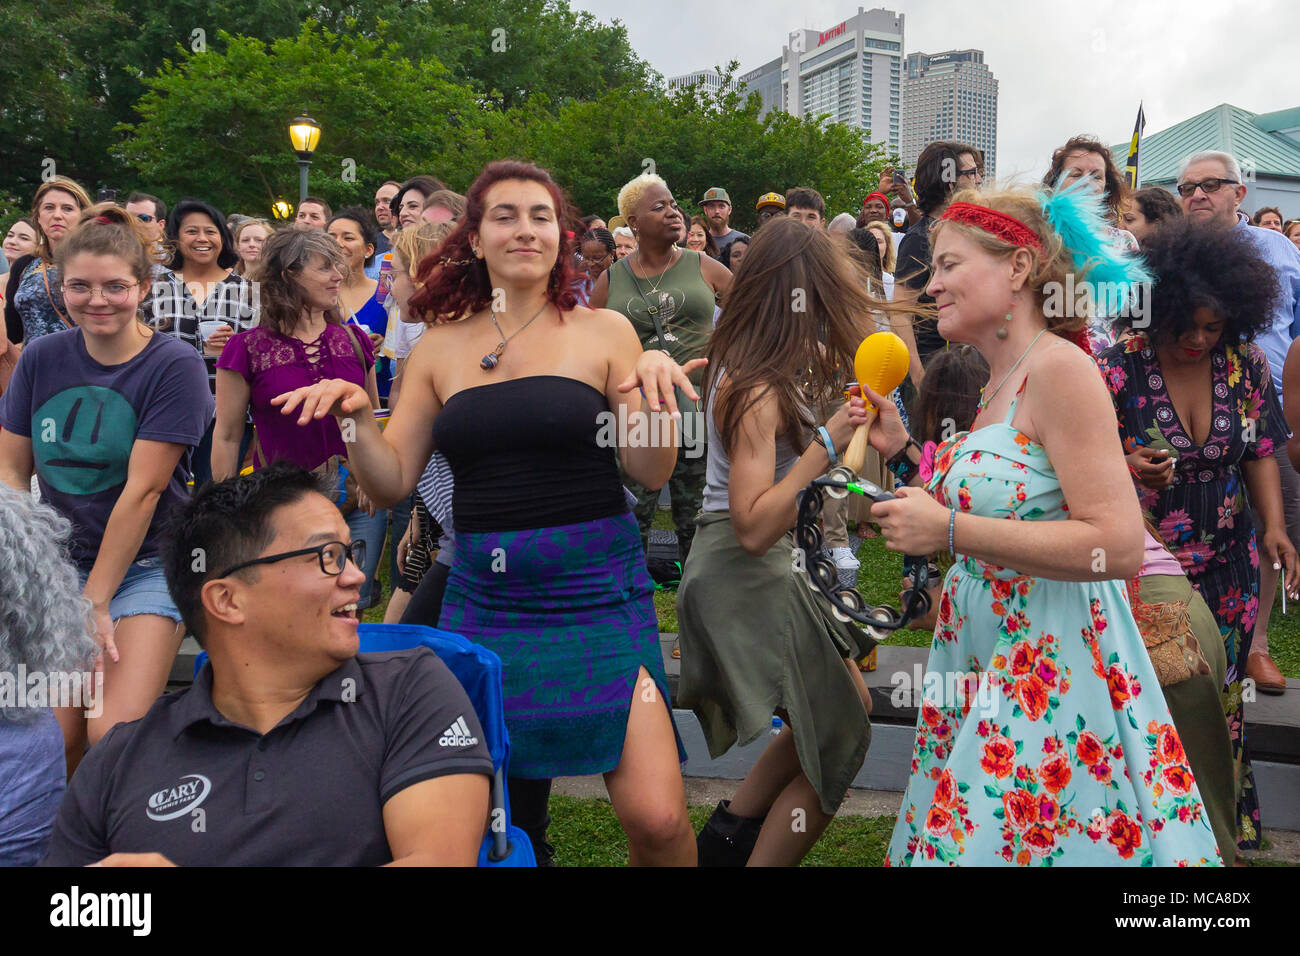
727	840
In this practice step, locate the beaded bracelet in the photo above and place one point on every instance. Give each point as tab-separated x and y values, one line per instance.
952	528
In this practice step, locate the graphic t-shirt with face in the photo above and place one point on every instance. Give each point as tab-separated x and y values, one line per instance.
84	418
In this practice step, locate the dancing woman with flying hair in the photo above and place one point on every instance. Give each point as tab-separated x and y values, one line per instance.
512	382
756	642
1047	740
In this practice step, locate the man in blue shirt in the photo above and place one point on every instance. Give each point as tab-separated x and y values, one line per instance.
1211	188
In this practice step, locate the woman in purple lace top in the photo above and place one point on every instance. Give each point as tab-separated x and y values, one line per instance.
300	340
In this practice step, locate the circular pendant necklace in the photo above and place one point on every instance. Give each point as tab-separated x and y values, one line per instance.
489	361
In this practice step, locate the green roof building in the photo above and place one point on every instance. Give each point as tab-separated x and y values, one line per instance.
1267	145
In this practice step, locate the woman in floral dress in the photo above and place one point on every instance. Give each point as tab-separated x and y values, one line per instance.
1199	419
1043	739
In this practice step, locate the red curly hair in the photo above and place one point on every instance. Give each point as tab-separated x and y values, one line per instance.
451	290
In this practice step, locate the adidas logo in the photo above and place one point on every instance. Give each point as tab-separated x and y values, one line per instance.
457	735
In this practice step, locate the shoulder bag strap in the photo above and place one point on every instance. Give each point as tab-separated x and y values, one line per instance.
654	316
49	295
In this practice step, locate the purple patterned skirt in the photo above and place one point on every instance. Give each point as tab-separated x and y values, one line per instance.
569	612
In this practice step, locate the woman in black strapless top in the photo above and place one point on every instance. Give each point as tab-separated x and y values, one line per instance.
525	393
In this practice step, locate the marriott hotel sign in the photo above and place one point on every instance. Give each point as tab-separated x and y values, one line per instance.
832	33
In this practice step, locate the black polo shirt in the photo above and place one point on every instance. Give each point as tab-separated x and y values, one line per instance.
201	790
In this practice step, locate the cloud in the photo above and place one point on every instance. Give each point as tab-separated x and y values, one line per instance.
1062	68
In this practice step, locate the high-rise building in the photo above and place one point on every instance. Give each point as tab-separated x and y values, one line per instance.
851	72
766	81
711	80
950	96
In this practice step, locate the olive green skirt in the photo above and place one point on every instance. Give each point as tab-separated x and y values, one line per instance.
1197	710
756	639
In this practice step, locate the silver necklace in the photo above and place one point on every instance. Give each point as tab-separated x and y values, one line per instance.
985	399
489	361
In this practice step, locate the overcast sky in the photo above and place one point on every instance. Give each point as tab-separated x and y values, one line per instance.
1062	68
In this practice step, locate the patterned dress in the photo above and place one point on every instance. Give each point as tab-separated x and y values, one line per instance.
1043	738
1202	515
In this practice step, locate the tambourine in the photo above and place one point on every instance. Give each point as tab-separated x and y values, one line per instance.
848	604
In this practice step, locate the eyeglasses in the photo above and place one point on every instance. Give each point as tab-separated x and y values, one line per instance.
332	555
973	171
144	217
1207	186
115	293
597	260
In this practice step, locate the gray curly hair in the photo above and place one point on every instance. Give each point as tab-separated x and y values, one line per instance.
45	620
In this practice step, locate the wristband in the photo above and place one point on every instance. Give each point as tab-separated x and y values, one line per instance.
827	443
901	466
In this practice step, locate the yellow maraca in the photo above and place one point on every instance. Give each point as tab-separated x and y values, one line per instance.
880	363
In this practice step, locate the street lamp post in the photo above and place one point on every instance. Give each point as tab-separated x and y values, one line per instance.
304	134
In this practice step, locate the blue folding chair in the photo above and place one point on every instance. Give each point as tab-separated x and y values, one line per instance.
479	672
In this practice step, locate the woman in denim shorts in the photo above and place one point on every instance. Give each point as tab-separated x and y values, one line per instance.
106	414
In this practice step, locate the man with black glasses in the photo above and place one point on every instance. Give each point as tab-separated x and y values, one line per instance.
1210	188
289	748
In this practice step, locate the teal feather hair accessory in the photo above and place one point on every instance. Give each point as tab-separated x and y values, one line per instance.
1076	214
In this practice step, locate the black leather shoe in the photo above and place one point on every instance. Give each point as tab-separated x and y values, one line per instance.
727	840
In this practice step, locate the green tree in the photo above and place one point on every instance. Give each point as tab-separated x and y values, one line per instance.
216	124
694	140
71	72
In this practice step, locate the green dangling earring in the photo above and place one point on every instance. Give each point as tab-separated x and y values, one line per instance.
1005	330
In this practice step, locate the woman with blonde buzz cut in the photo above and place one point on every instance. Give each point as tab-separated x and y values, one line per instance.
669	295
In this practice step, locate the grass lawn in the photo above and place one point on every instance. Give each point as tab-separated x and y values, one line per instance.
586	833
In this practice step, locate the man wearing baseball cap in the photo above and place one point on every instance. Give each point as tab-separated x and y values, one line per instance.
717	210
769	205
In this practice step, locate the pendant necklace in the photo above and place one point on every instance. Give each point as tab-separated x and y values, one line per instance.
654	286
984	400
489	361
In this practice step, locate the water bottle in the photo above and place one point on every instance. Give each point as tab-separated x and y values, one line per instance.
776	725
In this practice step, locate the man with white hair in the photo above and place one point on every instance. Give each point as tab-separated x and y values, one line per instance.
624	242
1211	190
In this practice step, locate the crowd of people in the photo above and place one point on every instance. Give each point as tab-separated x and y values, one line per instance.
211	426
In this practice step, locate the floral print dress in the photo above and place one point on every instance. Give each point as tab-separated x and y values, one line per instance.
1043	738
1202	515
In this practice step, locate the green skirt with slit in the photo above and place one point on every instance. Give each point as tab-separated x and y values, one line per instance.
755	640
1196	707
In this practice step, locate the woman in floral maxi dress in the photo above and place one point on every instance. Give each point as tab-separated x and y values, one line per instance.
1045	740
1199	504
